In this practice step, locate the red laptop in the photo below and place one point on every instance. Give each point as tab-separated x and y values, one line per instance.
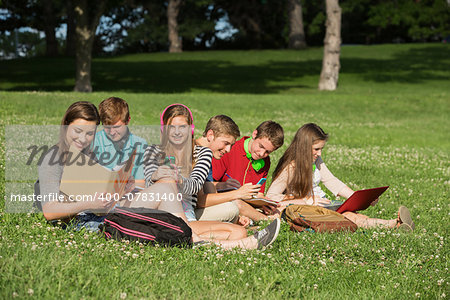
360	200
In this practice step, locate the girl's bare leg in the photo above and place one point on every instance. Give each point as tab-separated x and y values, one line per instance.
260	239
161	195
366	222
218	230
247	210
248	243
225	235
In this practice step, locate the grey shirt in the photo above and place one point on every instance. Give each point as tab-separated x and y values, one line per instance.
50	172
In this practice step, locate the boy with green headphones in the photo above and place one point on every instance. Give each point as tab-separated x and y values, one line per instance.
246	164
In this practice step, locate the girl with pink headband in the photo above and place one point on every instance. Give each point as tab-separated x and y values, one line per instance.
177	167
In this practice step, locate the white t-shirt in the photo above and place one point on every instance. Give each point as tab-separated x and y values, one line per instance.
318	192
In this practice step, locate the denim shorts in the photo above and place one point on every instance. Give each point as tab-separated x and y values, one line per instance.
190	215
189	211
87	221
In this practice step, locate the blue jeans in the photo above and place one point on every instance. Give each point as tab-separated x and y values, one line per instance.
88	221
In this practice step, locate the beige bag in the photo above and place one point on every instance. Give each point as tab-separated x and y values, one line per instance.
316	219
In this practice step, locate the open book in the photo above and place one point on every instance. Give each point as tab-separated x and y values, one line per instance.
85	177
258	202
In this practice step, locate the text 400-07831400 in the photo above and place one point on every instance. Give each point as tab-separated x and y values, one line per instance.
153	196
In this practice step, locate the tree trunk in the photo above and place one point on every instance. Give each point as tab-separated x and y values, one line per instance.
71	34
332	48
49	29
296	31
87	17
173	10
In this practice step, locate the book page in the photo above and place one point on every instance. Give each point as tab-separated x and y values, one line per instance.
84	177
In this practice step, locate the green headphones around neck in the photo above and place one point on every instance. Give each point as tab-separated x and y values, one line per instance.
256	164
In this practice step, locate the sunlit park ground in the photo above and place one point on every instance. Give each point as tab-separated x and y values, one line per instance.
388	123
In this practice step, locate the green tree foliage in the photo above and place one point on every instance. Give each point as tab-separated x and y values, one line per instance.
420	20
260	23
25	44
141	26
132	26
42	15
381	21
314	17
197	22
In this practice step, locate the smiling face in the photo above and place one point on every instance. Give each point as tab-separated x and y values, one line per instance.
317	149
261	147
80	133
178	130
116	131
219	145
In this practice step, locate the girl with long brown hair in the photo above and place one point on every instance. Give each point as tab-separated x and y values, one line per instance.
78	128
300	170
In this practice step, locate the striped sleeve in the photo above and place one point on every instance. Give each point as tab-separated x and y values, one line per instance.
194	183
150	163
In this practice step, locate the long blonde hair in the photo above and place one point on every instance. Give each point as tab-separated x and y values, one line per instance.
168	115
298	159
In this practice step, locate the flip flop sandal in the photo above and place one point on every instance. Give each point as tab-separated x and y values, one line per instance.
404	217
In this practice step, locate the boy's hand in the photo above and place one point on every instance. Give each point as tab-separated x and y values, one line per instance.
130	185
270	209
243	221
230	184
248	191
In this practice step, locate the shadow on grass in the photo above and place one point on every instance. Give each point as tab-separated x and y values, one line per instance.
184	75
412	66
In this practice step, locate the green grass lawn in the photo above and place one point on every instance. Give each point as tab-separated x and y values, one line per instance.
388	124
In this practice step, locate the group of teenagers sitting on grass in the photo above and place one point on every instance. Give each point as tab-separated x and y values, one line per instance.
214	173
